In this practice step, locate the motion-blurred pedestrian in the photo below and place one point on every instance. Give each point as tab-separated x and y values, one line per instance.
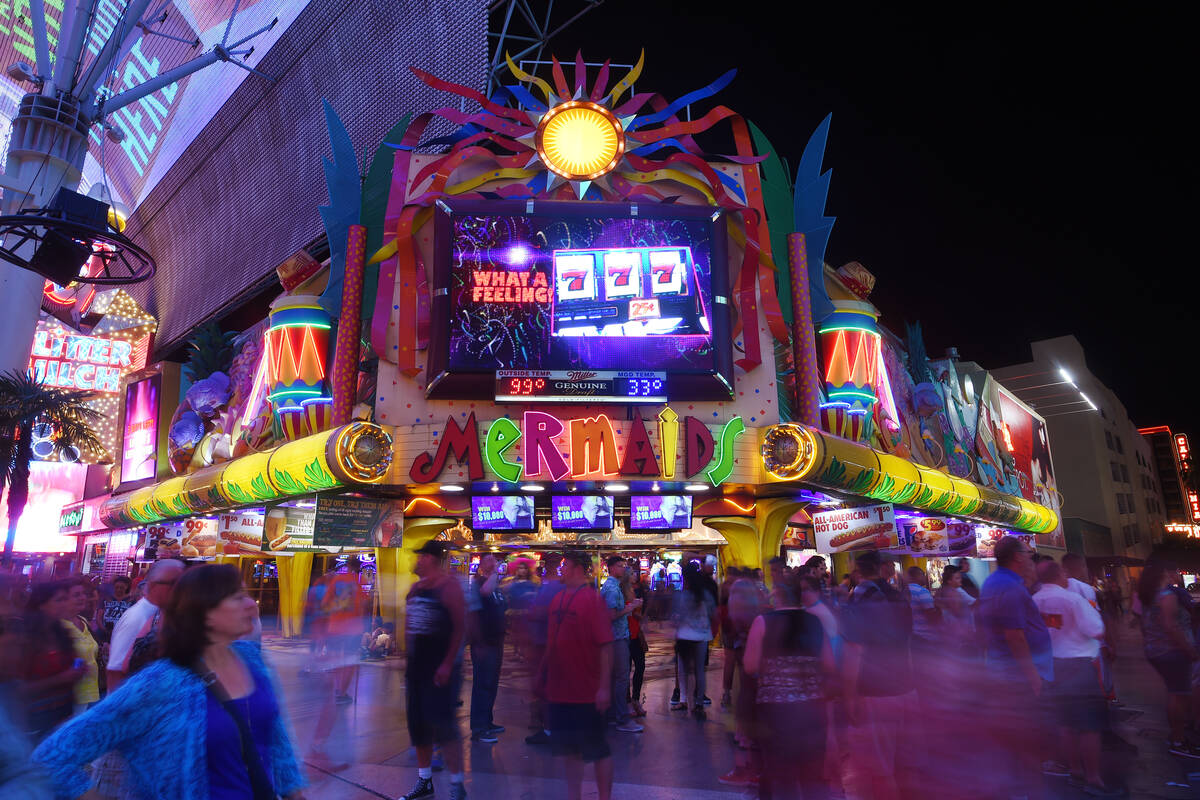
486	605
695	618
539	626
50	667
1170	647
619	610
87	690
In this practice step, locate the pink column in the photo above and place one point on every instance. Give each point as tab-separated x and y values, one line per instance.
345	357
804	341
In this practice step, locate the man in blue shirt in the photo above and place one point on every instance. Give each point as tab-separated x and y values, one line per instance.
538	626
619	610
1020	662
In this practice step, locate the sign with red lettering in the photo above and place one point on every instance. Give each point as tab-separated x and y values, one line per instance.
860	528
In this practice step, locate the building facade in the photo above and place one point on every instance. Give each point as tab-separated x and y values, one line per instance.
1173	460
1113	506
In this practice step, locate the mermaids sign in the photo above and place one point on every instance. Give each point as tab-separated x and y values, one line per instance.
591	451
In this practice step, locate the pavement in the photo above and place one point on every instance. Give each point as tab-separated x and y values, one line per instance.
368	755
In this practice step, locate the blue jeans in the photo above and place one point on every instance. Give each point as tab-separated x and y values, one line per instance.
620	681
485	683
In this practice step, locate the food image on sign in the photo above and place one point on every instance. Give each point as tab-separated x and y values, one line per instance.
987	537
863	528
927	536
960	538
242	531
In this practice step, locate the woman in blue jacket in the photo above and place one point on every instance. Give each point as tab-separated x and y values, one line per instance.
202	723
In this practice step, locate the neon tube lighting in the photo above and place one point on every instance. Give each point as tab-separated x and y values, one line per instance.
322	325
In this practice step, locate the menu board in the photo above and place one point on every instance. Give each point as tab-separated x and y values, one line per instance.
859	528
188	538
987	537
359	522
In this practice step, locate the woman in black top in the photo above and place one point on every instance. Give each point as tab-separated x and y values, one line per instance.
788	652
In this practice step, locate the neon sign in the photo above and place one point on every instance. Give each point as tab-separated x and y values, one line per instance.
1185	453
74	361
591	449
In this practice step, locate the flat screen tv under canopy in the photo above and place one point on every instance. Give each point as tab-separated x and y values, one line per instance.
581	512
580	302
660	512
512	513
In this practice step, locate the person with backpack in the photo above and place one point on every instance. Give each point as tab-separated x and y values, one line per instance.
876	627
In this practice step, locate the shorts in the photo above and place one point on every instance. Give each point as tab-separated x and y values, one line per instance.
1176	671
577	729
1078	695
431	709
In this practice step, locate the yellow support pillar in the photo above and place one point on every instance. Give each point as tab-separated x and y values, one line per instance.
395	567
771	517
294	572
742	535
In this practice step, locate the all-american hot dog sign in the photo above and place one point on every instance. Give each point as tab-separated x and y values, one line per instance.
861	528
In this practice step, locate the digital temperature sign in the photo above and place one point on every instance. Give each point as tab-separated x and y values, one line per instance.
580	386
529	295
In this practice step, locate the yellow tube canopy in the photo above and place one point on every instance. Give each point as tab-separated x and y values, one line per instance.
793	452
358	453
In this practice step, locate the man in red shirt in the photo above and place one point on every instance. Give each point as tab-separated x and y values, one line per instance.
578	674
343	610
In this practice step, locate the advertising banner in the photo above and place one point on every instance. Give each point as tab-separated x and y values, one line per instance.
189	538
139	438
987	537
359	522
241	531
864	527
290	528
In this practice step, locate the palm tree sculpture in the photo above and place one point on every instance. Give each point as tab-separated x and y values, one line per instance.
24	404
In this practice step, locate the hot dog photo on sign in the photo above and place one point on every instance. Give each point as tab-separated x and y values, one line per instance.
865	527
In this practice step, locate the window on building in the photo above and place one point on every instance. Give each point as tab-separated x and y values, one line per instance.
1125	529
1120	447
1121	503
1114	470
1108	440
1137	534
1124	473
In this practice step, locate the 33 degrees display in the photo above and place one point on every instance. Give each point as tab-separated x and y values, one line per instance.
577	287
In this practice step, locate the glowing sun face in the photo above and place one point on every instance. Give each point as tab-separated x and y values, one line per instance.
580	140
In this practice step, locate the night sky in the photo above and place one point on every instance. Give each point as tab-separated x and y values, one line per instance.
1005	179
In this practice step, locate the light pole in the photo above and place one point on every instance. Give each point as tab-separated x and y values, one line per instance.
48	144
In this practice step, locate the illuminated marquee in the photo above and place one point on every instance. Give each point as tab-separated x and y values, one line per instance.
74	361
591	449
1194	502
1184	452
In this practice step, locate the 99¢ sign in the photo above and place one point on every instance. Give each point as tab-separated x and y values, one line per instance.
861	528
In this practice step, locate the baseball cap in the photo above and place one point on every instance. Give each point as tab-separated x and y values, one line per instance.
578	557
433	548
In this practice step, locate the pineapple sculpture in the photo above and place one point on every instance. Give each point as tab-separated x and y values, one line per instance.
195	438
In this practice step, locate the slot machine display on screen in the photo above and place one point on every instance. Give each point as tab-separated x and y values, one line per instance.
580	302
511	513
581	512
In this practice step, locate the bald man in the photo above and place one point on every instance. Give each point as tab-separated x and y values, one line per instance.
1075	633
139	620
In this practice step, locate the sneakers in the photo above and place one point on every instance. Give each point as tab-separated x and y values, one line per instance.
706	699
541	737
676	705
1056	769
484	737
630	727
423	789
458	791
1183	749
675	695
737	777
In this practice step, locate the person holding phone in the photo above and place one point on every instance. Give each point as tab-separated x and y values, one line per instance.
619	611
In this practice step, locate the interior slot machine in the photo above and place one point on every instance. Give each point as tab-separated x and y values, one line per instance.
627	291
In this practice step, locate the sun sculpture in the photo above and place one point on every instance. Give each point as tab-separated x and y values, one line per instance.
573	140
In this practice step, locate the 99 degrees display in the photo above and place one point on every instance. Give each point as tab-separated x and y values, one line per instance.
578	302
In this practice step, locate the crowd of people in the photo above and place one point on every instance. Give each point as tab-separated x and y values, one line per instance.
824	683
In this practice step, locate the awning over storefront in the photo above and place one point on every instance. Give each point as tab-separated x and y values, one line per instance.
355	454
802	454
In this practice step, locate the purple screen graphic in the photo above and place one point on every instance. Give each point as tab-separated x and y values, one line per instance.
581	512
558	292
660	512
502	513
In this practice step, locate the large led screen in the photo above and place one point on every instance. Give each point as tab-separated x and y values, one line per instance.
139	449
660	512
584	512
576	287
513	513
